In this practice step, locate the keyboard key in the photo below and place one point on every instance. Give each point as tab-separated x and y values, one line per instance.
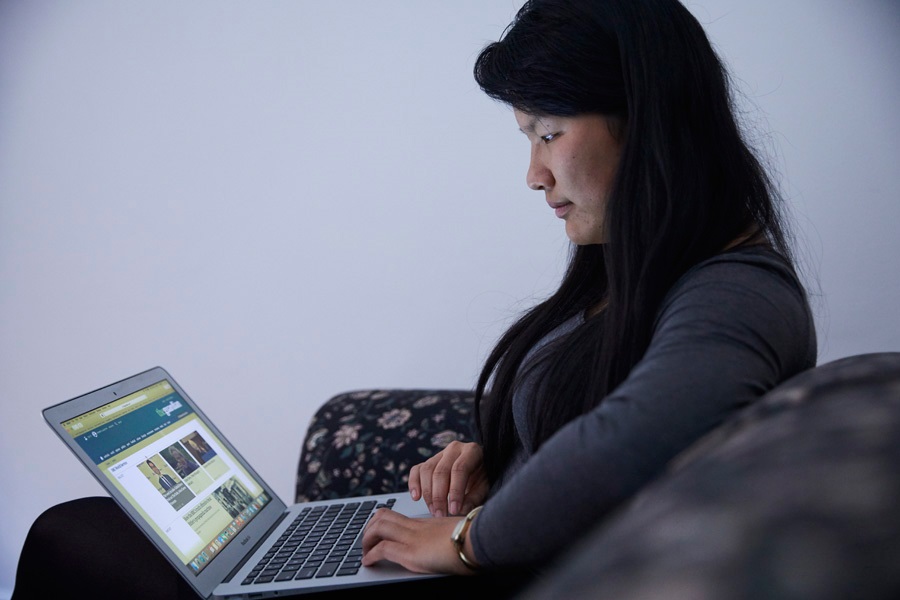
327	569
305	573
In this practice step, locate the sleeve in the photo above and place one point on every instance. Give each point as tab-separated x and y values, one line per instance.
727	333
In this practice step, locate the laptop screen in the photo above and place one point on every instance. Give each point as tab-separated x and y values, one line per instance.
177	474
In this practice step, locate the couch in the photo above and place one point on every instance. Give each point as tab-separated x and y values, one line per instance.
795	497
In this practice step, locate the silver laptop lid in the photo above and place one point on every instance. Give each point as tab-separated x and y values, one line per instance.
172	471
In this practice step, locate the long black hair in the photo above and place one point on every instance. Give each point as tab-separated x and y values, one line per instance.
687	185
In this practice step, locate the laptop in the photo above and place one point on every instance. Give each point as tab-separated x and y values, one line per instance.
205	508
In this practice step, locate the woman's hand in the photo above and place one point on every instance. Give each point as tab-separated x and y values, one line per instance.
420	545
453	481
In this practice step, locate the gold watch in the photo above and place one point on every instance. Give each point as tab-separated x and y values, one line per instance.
459	537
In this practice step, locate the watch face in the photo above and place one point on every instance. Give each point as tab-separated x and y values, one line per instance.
458	530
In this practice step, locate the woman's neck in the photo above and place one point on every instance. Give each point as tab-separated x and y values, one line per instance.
750	236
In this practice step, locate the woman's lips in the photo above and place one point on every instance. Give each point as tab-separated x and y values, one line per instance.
561	208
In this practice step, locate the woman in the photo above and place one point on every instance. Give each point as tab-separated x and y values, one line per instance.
680	304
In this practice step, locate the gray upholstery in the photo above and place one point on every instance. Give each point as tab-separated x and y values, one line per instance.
798	497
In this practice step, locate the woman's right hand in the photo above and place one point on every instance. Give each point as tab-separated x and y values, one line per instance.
453	481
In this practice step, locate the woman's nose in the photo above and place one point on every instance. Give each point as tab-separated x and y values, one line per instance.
538	176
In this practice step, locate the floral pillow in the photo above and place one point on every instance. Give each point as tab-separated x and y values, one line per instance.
365	442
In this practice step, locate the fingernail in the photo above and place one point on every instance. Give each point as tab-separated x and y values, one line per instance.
439	513
414	493
454	508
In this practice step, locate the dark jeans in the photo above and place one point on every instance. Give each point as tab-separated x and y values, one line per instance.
90	548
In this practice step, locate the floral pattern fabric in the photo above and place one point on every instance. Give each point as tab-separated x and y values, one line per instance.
364	442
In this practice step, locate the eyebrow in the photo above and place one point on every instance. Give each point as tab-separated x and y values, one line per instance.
531	126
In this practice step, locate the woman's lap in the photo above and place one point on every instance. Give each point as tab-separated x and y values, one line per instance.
89	546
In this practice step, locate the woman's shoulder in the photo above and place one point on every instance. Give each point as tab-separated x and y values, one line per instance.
741	276
749	264
746	293
759	253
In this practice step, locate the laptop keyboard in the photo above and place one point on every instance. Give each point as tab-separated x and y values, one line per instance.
323	541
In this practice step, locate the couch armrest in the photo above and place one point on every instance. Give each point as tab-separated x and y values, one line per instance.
796	497
364	442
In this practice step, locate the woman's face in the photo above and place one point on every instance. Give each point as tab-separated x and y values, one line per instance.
574	161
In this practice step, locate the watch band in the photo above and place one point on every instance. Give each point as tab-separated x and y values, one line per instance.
459	537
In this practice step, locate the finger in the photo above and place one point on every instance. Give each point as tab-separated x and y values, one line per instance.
466	475
475	496
415	485
467	506
477	491
440	484
426	470
461	479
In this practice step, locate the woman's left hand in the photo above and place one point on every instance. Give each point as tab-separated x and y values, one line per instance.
421	545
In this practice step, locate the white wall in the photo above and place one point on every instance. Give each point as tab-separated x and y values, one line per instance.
282	201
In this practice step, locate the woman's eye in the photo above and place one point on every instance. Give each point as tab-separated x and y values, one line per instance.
548	138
